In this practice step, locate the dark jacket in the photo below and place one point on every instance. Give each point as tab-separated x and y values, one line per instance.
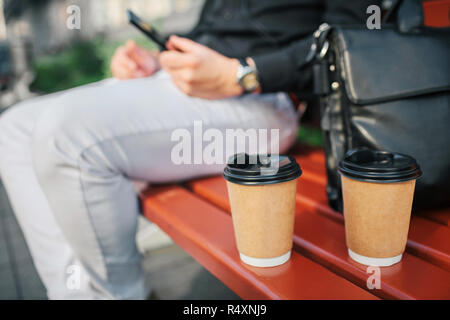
277	34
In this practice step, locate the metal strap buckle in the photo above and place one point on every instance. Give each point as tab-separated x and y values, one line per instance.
316	44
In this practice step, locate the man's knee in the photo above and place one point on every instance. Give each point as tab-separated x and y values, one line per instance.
53	142
9	120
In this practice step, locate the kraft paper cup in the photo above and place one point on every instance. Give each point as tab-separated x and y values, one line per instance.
262	198
378	190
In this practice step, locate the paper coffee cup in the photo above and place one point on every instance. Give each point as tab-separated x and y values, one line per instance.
378	189
262	197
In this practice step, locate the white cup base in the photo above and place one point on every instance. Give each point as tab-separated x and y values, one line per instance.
377	262
265	262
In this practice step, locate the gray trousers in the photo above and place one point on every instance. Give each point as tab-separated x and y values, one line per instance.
68	160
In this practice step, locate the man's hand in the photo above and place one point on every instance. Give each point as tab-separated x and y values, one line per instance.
130	61
200	71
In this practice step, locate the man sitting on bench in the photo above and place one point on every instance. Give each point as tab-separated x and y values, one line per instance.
67	160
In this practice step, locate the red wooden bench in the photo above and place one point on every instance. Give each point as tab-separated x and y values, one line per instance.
197	217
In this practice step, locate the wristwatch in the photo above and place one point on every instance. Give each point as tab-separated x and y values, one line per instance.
247	76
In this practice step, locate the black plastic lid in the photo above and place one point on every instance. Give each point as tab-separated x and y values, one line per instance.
257	170
379	166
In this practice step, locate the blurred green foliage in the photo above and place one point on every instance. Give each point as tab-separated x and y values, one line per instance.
84	62
310	135
78	65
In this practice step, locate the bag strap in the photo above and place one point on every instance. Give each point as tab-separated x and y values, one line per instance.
410	16
410	19
389	14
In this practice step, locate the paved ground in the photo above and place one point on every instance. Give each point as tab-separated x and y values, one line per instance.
172	272
18	277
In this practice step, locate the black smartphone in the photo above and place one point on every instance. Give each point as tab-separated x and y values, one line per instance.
147	29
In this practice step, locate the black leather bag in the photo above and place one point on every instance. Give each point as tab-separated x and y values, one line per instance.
387	89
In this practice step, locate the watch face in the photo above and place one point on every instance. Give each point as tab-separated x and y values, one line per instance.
250	82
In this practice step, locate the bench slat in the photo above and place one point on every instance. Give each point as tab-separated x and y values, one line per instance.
437	13
206	233
323	240
428	240
441	216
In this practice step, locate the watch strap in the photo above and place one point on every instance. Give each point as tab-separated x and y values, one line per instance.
243	62
244	65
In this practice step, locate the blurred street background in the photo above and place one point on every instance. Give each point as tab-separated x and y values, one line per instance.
39	54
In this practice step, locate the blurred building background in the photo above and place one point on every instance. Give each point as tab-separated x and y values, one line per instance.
43	22
39	53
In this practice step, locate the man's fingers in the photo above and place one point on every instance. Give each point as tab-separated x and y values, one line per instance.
125	65
182	44
130	45
175	60
140	74
184	87
122	68
170	46
121	73
189	76
121	57
144	60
